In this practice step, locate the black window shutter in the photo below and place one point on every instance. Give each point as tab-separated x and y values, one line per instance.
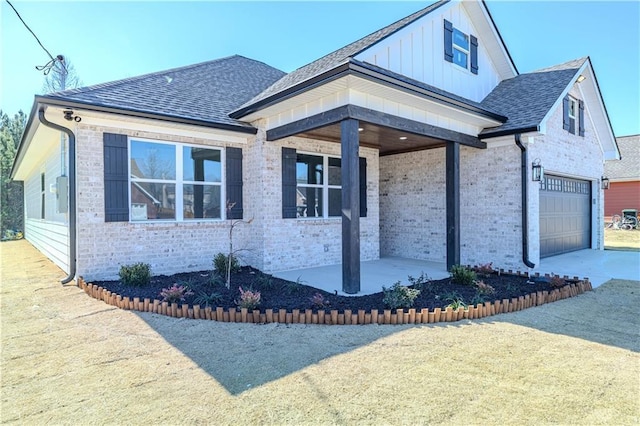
581	118
289	199
116	181
474	54
448	41
234	182
565	113
363	187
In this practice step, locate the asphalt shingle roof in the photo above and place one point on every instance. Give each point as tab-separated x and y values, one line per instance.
339	57
206	91
527	98
628	167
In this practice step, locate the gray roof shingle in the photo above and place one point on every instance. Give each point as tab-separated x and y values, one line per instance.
338	57
628	167
527	98
206	92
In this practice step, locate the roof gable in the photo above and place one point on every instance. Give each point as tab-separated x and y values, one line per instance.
204	92
628	167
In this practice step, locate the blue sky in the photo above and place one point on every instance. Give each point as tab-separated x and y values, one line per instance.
111	40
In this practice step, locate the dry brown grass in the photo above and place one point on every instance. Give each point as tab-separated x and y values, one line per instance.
619	239
69	359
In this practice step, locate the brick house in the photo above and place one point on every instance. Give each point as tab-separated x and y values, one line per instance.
624	178
419	140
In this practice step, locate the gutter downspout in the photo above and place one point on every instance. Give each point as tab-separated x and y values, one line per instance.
525	212
72	192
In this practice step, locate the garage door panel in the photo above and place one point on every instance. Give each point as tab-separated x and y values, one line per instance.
565	215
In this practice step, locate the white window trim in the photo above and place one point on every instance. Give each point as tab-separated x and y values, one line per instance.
324	186
574	102
179	182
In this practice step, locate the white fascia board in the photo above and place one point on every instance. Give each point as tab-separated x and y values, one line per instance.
103	119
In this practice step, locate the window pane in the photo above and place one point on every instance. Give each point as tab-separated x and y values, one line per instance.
460	58
153	160
335	202
153	201
201	165
334	171
309	202
201	201
309	169
460	39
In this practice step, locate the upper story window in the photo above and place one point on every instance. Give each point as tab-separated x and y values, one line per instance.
174	182
460	48
573	115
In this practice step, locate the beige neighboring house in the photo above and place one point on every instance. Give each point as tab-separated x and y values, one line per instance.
420	140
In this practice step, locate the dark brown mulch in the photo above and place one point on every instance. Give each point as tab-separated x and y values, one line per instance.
281	294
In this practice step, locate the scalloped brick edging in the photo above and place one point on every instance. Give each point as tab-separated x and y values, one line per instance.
334	317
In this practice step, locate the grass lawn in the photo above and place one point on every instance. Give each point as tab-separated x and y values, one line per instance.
619	239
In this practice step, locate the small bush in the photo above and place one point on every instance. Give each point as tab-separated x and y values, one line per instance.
557	282
136	275
463	275
220	262
484	288
208	299
248	299
292	287
478	298
175	293
263	281
420	283
485	270
399	296
318	301
455	300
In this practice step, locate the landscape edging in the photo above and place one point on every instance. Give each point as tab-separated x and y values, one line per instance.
335	317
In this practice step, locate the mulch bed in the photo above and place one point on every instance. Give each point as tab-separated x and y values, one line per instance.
209	290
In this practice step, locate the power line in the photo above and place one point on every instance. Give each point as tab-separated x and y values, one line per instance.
49	65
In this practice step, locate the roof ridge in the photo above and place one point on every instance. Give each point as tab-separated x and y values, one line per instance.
571	64
114	83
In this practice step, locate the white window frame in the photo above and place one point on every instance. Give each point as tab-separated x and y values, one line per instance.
466	51
573	103
324	186
179	182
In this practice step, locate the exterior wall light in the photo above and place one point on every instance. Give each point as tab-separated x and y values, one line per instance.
581	78
605	182
537	171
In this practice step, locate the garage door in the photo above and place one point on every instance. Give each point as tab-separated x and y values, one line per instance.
565	215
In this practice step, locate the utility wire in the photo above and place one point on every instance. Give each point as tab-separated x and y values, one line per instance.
47	67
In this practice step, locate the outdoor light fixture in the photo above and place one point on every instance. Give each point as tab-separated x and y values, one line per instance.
605	182
537	171
580	78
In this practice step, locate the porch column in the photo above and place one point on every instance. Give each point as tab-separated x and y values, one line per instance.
350	175
453	203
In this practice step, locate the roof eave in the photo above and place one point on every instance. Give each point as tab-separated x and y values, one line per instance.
131	112
22	145
506	132
360	69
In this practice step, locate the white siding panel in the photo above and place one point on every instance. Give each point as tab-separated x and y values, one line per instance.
425	39
51	239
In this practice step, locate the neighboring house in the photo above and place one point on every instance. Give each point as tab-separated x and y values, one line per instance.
624	177
417	140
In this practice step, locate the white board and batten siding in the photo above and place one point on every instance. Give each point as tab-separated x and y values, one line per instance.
50	234
417	51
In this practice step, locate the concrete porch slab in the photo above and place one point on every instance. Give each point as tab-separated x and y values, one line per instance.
373	274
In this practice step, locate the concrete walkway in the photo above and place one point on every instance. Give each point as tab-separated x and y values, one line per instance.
598	265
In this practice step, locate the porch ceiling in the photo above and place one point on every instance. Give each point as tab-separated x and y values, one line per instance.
387	140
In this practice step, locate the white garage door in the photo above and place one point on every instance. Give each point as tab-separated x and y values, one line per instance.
565	215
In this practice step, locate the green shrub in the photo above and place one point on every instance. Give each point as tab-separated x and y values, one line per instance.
420	283
220	263
209	300
137	275
463	275
399	296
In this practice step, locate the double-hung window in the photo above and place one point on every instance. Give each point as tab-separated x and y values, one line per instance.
174	182
460	48
318	186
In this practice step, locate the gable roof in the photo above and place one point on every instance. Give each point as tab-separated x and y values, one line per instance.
203	92
541	89
332	60
628	167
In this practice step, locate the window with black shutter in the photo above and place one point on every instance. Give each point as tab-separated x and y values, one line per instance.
116	180
460	48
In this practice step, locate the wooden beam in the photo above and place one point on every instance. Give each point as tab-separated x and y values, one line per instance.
452	161
323	119
350	175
